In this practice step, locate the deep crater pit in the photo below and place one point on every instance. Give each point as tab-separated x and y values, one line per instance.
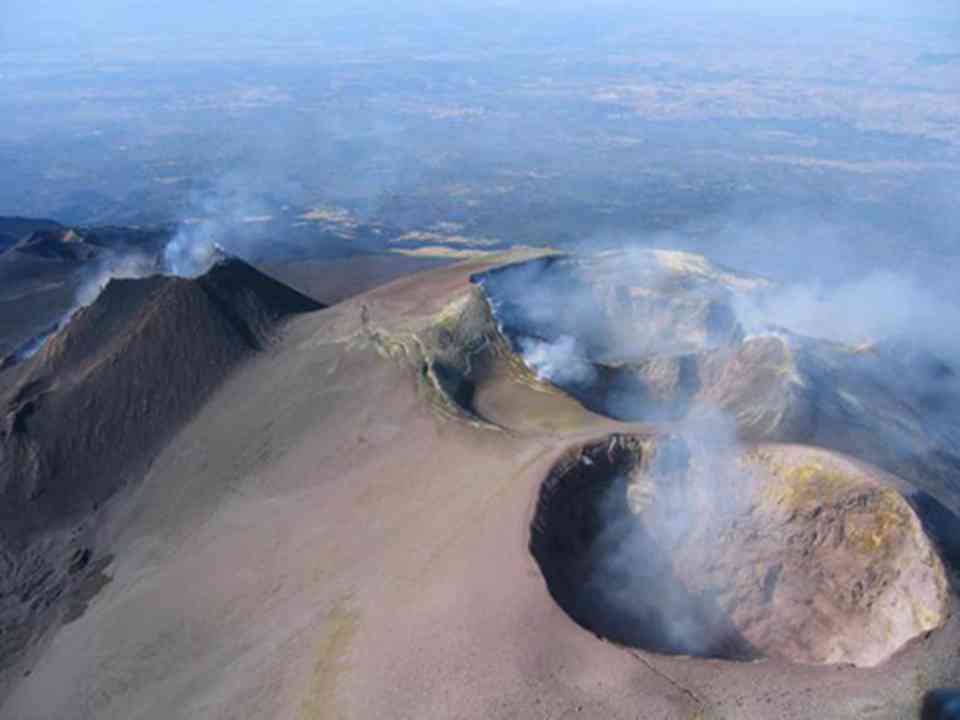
774	552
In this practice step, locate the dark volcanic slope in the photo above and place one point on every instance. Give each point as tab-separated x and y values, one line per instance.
59	244
39	277
18	227
6	241
43	268
15	230
131	365
105	393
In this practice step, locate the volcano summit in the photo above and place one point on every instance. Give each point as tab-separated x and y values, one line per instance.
530	485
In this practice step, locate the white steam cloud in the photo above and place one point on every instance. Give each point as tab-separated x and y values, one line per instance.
217	220
560	361
640	575
880	305
193	250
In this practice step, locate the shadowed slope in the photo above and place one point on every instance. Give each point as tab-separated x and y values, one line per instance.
17	228
89	411
131	365
62	245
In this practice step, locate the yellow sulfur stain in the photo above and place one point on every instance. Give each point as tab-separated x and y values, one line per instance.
801	485
880	526
330	654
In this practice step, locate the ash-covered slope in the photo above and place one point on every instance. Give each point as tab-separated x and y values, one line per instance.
89	410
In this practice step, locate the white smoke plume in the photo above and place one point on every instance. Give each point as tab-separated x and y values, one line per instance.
559	361
218	214
216	221
634	575
192	250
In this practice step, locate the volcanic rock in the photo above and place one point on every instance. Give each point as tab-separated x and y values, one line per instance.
828	563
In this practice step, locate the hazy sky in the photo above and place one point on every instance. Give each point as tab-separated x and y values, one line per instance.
23	22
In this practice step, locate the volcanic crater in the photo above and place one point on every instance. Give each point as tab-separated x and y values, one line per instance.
777	552
744	517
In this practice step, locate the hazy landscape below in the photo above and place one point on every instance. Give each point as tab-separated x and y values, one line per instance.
488	126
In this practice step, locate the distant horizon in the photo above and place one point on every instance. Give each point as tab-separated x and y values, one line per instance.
23	24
